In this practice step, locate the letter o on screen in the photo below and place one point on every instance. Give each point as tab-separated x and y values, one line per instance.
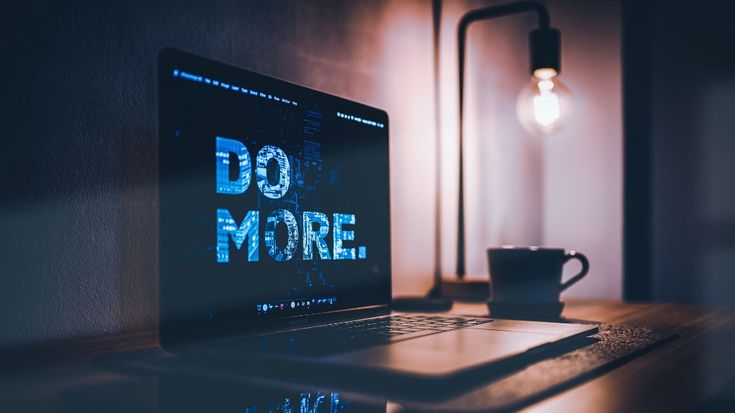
276	217
280	188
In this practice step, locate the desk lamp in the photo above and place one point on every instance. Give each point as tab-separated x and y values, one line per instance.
542	107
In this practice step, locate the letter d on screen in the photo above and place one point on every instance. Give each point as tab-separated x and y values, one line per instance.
239	184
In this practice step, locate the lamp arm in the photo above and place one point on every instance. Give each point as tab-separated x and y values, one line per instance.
470	17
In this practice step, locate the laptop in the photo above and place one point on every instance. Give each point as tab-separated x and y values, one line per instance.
275	240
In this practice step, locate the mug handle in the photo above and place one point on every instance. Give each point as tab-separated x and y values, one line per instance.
585	268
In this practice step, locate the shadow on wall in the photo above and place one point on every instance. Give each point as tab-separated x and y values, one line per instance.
693	106
78	160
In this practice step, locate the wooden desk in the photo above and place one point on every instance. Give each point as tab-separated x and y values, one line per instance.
680	376
683	375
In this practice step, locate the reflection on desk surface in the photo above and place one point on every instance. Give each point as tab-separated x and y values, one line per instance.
74	389
177	395
319	402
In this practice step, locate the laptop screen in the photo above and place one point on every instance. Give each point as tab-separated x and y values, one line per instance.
274	198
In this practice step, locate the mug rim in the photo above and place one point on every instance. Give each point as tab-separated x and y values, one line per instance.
530	248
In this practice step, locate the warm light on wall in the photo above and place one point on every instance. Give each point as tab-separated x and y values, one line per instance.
545	105
542	107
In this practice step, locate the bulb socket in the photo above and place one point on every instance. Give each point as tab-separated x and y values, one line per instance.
545	47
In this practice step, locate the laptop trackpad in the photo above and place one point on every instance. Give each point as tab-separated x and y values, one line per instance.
446	353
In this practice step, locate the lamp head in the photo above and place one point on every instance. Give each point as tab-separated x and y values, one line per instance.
545	104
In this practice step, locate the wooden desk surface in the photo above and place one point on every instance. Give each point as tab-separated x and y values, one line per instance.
680	376
684	375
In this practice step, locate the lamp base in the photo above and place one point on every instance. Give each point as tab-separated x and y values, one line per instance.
424	304
466	290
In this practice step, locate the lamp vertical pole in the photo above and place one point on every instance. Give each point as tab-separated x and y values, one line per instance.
464	23
436	289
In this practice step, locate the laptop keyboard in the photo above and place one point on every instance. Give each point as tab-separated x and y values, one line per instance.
399	324
350	335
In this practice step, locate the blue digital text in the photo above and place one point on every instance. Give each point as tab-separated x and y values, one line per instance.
315	226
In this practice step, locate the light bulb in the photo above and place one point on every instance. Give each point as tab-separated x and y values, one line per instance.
545	105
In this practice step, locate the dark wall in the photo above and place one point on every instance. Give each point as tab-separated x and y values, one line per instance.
78	151
680	143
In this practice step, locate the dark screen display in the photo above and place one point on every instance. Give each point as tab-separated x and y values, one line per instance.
274	198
